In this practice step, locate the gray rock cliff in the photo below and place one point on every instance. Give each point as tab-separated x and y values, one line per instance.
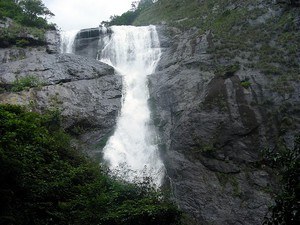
214	128
86	42
86	91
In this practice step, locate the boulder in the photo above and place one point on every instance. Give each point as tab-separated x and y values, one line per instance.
85	91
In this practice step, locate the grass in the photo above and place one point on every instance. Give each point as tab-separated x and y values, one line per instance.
25	83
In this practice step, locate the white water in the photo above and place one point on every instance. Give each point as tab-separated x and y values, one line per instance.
132	151
67	40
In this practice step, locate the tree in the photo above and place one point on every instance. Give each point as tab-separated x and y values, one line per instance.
35	13
128	17
294	3
9	8
35	8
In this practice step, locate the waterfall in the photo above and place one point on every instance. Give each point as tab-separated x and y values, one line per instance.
67	40
132	152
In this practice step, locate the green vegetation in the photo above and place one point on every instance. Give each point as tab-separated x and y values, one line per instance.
175	12
28	23
22	43
246	83
24	83
44	181
227	71
126	18
242	33
129	17
286	161
30	13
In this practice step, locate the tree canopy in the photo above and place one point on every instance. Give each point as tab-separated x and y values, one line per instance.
44	181
27	12
35	8
128	17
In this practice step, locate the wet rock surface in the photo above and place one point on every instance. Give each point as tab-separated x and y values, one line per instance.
86	42
52	42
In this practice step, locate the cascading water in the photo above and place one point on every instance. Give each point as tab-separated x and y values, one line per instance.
132	151
67	40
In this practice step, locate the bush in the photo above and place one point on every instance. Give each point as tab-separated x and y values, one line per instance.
287	163
44	181
24	83
246	84
22	43
129	17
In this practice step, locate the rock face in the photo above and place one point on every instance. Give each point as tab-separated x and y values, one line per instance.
89	42
215	110
86	42
214	128
53	41
215	115
86	91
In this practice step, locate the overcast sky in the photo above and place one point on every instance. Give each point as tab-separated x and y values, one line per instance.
78	14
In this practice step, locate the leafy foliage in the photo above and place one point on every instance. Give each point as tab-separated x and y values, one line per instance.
25	83
44	181
246	84
129	17
28	23
287	162
16	34
30	13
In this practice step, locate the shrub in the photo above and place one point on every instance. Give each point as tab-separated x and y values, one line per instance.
227	71
14	33
44	181
24	83
246	84
286	161
22	43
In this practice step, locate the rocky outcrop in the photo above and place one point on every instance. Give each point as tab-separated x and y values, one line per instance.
86	42
52	41
89	42
12	33
85	91
215	120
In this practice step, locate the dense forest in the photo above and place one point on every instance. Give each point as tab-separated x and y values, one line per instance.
44	181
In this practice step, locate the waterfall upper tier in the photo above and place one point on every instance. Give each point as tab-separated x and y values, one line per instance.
132	151
67	39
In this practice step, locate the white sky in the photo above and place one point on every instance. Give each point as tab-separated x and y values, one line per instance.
78	14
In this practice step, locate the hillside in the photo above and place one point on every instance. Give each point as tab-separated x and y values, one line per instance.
226	103
263	33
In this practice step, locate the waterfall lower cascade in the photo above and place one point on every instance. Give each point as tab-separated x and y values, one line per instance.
132	151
